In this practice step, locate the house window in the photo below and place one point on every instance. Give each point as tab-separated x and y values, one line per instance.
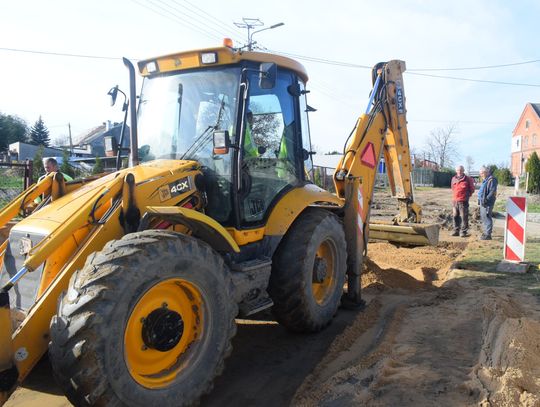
526	142
534	139
527	123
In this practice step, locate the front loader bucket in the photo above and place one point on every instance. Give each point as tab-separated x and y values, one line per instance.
415	234
8	371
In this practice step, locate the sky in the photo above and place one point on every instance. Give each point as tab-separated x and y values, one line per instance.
425	34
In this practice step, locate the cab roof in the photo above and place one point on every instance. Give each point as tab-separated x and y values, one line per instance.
224	56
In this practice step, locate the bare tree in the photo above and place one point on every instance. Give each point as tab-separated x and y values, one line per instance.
469	162
442	146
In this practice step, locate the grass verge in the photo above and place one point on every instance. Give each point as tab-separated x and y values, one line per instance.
532	207
480	260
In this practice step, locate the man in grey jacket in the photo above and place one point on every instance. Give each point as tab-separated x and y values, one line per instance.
486	199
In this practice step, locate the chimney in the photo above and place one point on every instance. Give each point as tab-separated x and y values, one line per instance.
107	125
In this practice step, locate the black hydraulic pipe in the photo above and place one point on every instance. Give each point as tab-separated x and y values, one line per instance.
134	153
120	147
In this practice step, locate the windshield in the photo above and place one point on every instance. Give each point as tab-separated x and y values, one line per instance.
179	113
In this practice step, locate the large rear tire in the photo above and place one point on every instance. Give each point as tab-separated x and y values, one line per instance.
308	272
147	322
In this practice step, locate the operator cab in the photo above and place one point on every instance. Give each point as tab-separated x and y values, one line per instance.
245	123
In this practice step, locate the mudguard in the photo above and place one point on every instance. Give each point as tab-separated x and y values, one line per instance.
201	226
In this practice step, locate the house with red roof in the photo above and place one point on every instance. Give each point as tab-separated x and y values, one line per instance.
525	138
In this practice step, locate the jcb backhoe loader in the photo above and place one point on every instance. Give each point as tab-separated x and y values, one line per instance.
133	280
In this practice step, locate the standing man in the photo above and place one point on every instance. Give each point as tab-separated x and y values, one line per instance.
462	189
486	199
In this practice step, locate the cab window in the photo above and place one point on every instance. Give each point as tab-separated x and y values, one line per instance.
270	147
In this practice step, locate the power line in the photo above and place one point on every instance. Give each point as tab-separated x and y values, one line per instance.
175	18
320	60
312	59
223	24
461	122
477	67
197	22
60	54
351	65
475	80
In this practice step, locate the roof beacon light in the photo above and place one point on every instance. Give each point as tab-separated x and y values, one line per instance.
227	42
209	58
151	67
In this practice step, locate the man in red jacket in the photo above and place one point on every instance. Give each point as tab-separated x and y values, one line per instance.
462	189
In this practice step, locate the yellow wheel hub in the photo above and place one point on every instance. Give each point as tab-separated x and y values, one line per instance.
164	332
324	271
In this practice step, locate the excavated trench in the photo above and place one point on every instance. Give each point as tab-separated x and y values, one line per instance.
428	339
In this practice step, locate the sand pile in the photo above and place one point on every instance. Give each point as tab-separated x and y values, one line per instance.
508	371
423	263
374	275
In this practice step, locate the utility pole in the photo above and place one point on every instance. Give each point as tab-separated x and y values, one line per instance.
70	140
251	23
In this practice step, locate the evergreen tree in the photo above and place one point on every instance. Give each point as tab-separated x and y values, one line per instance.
98	166
37	164
533	168
504	176
39	134
65	168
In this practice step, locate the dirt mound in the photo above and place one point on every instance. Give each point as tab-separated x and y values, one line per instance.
508	371
421	354
388	278
411	258
424	263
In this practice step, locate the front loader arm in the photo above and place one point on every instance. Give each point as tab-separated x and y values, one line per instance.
23	349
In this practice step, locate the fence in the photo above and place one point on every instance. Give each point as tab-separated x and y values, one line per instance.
323	177
424	177
14	178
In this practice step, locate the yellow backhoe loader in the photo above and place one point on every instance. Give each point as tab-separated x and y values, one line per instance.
132	280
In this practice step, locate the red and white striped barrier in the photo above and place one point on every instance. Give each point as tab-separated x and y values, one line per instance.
514	231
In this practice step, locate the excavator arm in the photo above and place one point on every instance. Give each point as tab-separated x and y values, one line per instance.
380	131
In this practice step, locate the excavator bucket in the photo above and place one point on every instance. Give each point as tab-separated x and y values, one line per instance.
415	234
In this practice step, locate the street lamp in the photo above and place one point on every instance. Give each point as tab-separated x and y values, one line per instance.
250	39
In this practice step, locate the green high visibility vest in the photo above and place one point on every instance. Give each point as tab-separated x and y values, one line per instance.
283	166
250	149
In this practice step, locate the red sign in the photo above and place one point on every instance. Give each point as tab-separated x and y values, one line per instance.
514	234
368	156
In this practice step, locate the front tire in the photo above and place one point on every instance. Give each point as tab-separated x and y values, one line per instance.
308	272
148	321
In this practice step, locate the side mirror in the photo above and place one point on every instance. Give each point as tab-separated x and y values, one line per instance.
222	142
267	75
113	93
307	154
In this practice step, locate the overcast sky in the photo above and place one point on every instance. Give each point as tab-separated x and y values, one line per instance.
425	34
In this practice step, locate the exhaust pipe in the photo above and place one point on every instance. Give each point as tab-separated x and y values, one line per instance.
8	370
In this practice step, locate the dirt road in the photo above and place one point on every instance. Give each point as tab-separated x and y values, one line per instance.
428	336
